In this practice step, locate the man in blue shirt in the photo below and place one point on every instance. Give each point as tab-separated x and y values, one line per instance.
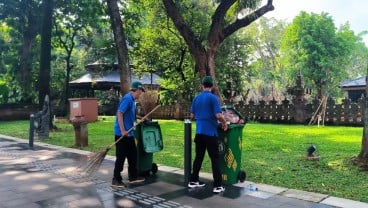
126	147
207	112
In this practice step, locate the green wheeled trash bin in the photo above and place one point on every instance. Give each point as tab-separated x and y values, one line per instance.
230	146
149	140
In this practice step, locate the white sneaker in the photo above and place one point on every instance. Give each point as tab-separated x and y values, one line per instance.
218	189
195	184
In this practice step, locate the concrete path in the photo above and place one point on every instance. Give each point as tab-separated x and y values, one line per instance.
47	176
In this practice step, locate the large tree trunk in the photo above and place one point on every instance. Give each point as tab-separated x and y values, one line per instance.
45	59
31	24
25	67
364	149
67	78
121	45
205	66
204	55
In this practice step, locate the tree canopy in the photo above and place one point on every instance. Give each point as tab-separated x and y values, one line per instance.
314	48
226	19
181	41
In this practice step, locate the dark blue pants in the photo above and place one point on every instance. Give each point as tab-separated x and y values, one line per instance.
125	149
203	142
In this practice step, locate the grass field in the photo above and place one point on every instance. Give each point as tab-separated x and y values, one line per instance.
271	153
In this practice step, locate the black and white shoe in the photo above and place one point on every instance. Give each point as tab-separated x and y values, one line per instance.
218	189
117	184
195	184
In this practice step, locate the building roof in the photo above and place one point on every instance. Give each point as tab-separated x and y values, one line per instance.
357	83
104	76
106	80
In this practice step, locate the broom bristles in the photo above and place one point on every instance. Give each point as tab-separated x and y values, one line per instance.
94	161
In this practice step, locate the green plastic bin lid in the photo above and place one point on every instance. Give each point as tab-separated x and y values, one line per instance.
151	137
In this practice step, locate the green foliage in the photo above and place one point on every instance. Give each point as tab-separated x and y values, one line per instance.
156	46
197	15
9	90
5	49
314	48
75	22
266	67
21	19
251	4
357	60
248	59
242	5
4	92
20	61
232	65
174	89
271	154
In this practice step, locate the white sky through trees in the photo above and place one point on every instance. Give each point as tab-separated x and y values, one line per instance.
341	11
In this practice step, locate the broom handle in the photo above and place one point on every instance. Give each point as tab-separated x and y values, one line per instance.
135	125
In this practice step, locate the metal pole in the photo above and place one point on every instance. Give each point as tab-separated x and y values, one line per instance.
187	149
31	130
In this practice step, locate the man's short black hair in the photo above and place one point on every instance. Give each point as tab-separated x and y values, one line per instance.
207	81
207	85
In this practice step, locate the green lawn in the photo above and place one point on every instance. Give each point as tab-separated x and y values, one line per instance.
272	154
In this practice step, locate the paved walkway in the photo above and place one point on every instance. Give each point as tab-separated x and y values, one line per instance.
46	176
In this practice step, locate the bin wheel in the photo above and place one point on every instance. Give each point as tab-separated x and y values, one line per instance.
242	176
154	168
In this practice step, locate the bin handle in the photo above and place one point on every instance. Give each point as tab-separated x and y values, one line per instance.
135	125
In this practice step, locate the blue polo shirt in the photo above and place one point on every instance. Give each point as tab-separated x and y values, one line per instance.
127	107
205	106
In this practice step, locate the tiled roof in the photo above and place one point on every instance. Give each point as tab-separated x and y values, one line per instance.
114	77
357	82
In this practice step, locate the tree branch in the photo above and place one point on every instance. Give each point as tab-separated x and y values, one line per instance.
239	23
193	43
214	35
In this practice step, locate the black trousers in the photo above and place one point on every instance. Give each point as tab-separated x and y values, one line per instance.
209	143
126	149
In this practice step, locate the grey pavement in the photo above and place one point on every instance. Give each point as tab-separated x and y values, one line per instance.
48	176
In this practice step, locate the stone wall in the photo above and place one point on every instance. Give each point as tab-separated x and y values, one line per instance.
17	112
345	113
298	112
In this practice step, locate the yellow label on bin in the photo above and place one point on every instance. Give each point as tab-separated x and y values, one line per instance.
224	177
230	160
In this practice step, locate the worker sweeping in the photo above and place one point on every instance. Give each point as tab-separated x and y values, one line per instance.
126	147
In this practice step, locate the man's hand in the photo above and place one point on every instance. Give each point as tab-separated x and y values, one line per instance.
124	133
224	126
221	118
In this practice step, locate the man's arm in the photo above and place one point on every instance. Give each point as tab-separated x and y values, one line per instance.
222	120
121	124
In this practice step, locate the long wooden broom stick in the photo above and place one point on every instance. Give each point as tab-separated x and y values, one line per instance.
131	129
95	160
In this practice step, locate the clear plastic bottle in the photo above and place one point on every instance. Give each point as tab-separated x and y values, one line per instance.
252	187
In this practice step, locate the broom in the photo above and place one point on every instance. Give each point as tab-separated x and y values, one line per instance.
94	160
